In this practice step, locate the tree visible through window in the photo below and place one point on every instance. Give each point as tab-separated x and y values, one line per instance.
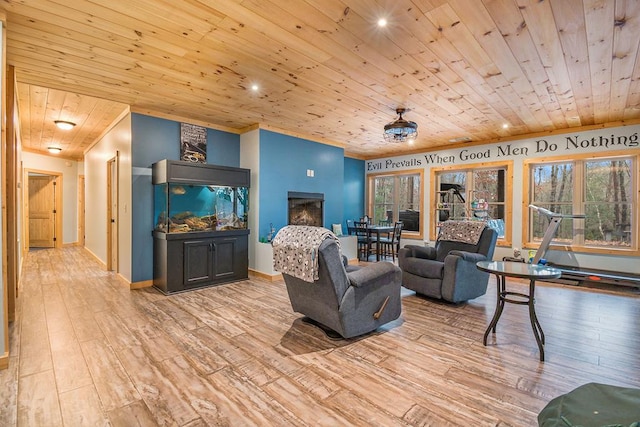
397	198
460	191
601	189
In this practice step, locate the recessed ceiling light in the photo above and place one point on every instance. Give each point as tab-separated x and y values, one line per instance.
382	22
505	126
255	87
460	139
64	125
54	150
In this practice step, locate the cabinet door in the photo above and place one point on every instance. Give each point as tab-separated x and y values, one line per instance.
198	257
224	258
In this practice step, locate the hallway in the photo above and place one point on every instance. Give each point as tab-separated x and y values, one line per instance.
86	350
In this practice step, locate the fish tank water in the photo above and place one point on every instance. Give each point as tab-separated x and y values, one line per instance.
184	208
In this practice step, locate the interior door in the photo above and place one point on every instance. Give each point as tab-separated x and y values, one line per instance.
42	218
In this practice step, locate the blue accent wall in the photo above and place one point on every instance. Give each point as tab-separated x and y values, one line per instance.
354	188
284	161
154	139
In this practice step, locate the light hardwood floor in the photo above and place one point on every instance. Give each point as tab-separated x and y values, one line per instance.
86	350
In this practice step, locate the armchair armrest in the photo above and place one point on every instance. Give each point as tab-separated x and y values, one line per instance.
468	256
425	252
380	273
461	279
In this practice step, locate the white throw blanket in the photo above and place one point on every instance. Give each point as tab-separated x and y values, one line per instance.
461	231
295	250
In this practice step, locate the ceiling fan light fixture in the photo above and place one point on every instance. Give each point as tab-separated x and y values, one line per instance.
400	130
64	124
54	150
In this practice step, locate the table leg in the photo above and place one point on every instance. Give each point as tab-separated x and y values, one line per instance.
535	324
500	289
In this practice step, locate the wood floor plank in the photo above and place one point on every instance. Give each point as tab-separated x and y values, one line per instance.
136	414
205	309
84	323
35	353
112	382
9	393
115	330
258	407
38	403
81	407
211	404
252	343
222	346
302	404
161	395
236	354
69	365
205	359
179	315
359	411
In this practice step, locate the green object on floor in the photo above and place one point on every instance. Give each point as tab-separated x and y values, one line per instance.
593	405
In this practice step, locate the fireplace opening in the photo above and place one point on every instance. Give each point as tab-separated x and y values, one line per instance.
306	208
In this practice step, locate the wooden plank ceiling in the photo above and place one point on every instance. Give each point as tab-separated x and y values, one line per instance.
325	69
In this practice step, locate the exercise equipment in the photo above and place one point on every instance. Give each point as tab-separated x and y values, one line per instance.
577	273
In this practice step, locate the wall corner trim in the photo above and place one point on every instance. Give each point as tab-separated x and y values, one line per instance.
140	285
4	361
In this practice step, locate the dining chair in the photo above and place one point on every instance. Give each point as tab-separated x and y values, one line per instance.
351	228
385	223
364	239
389	246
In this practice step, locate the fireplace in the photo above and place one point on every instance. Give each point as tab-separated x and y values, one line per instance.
306	208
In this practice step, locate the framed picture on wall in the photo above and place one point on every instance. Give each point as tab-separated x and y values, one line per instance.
193	143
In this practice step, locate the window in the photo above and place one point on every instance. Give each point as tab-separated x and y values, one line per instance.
476	192
601	189
397	197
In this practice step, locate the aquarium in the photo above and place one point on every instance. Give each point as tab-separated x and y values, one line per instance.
184	208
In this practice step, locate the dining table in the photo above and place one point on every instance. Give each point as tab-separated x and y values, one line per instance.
377	231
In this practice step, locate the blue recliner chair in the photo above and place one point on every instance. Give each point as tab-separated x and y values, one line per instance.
448	270
349	301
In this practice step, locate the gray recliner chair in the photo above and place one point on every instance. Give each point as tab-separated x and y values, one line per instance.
448	270
352	302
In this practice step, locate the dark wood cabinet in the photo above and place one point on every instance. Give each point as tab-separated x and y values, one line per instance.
192	260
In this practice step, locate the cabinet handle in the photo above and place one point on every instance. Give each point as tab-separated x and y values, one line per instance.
212	246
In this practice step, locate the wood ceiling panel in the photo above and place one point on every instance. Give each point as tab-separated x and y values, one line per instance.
325	70
600	47
541	26
510	42
625	49
40	107
569	17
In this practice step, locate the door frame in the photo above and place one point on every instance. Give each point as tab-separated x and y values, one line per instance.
57	205
81	212
113	172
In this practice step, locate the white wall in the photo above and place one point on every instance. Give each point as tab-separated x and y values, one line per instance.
620	140
115	142
250	159
69	171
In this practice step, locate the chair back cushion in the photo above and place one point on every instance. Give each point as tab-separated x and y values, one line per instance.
485	245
